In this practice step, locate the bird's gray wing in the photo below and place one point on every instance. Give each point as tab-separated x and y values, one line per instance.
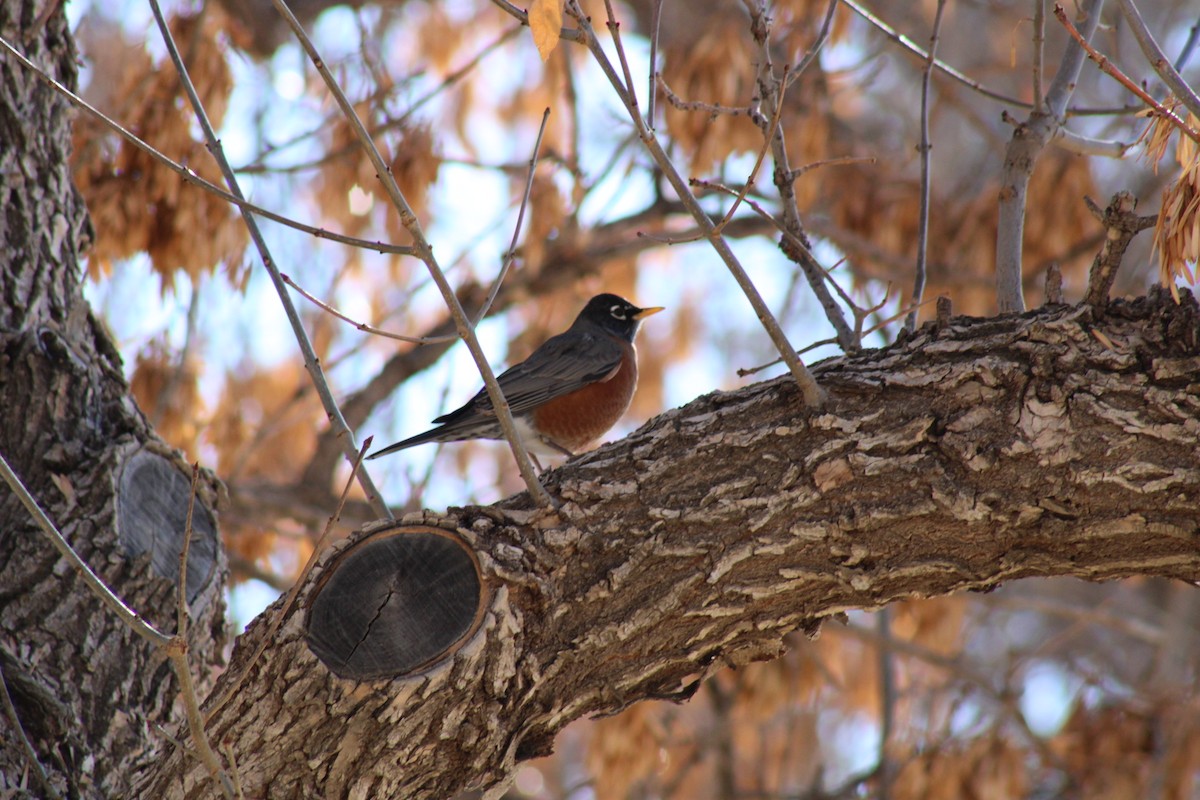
563	363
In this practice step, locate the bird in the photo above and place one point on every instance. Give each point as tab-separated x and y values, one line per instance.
566	395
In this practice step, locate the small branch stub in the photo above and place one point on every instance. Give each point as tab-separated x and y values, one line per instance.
395	603
1121	224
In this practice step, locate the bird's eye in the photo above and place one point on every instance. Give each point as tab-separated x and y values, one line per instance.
617	311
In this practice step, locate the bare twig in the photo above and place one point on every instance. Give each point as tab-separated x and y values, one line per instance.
362	326
822	37
191	177
1078	144
830	162
510	254
424	251
910	323
1158	59
1121	224
311	363
1028	141
861	316
1109	69
655	22
1189	46
712	109
177	654
1039	50
97	586
614	29
912	47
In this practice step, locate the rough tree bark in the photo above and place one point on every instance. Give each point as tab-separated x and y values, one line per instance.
1060	442
90	697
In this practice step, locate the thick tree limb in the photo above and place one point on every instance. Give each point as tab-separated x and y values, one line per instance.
1054	443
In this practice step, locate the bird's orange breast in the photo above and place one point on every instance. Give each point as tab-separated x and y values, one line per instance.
577	419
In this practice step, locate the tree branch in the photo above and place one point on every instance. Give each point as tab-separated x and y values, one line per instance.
1028	141
966	457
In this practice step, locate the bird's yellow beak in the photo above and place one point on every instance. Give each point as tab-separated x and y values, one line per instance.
645	312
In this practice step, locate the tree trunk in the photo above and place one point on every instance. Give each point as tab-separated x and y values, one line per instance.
1060	442
90	697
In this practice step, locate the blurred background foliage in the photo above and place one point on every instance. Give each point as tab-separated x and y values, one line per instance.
1043	689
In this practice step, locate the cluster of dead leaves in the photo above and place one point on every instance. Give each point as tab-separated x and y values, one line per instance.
138	205
1177	231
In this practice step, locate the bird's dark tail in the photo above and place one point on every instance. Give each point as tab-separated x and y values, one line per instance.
433	435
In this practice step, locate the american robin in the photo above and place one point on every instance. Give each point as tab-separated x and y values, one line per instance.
569	391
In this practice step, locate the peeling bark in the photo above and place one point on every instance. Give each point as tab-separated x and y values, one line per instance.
958	460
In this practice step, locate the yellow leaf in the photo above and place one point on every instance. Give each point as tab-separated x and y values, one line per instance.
545	20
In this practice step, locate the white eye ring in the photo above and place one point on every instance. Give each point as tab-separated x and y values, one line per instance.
617	311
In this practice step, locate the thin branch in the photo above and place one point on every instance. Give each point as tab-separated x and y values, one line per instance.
311	363
177	651
651	94
1027	143
912	47
362	326
712	109
860	314
1109	69
910	323
97	586
1185	52
830	162
815	50
1039	50
1158	59
809	389
424	251
510	254
614	29
194	179
1078	144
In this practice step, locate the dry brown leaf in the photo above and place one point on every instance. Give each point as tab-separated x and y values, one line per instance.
545	21
1177	231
